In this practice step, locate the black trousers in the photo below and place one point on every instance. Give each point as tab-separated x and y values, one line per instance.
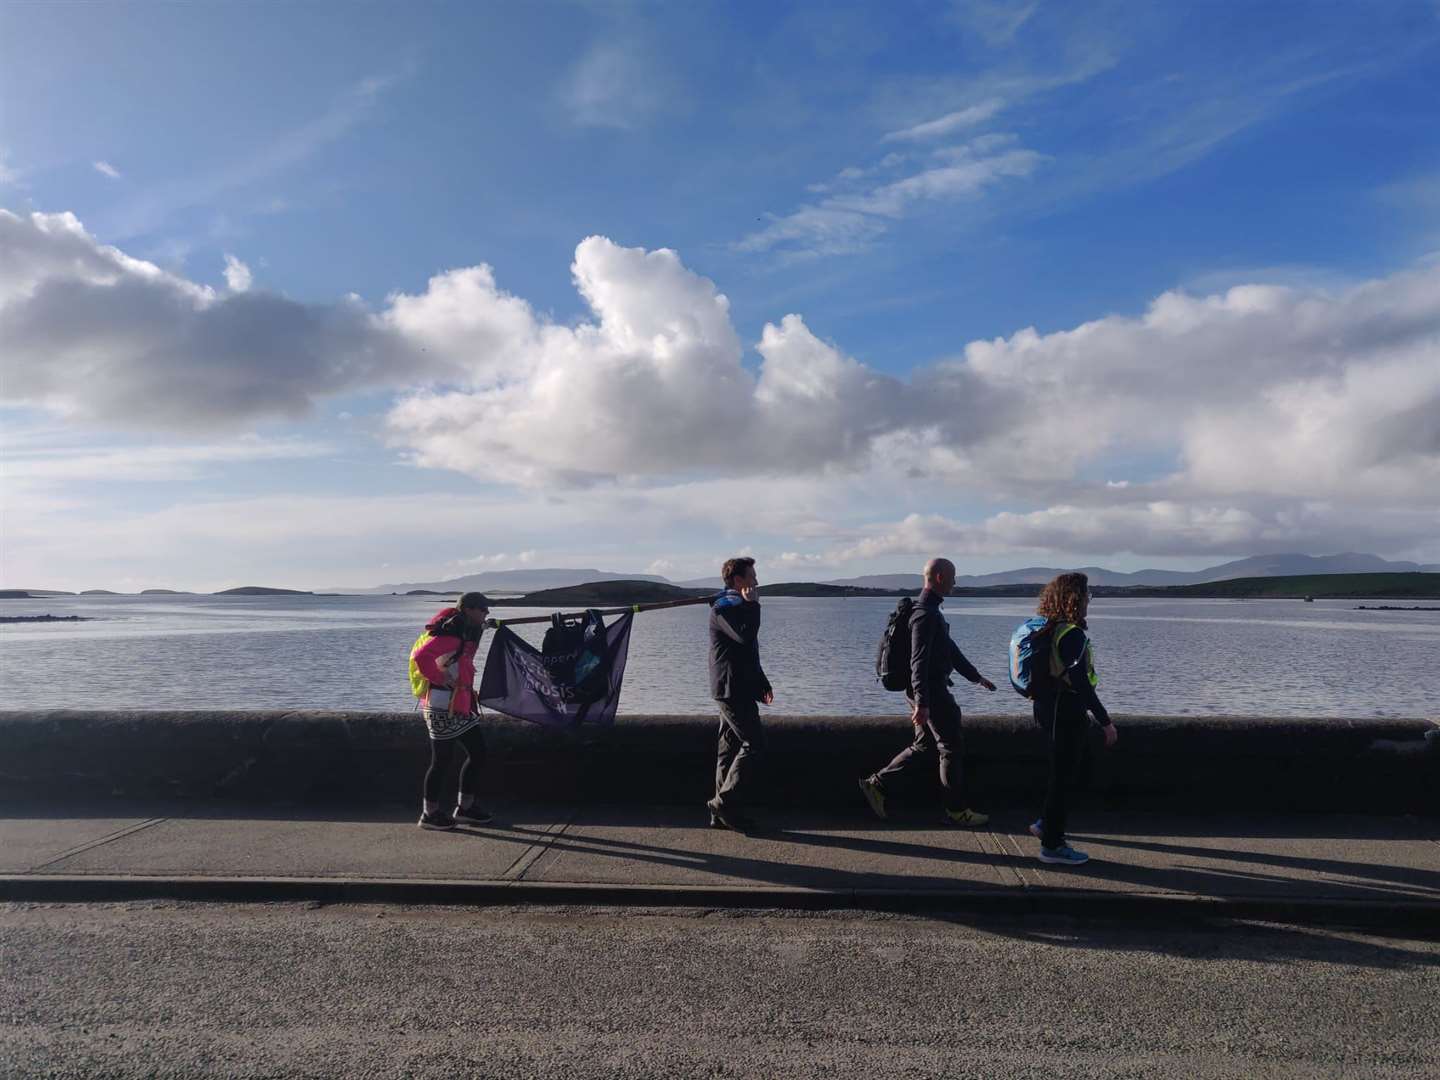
940	739
741	741
1067	726
442	753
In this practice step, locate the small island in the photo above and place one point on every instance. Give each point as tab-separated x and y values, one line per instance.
165	592
608	593
261	590
43	618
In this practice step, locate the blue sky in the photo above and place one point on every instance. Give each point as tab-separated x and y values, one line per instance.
911	181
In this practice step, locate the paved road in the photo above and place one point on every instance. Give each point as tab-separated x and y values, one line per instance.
164	989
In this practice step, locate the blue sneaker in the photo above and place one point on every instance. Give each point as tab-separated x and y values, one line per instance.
1064	855
1037	828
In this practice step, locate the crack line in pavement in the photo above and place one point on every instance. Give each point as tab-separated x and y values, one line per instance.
521	866
119	834
1035	878
1000	850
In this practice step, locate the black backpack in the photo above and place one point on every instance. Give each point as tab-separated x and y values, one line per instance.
575	657
892	659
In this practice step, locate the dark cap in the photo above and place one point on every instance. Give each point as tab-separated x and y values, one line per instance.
474	600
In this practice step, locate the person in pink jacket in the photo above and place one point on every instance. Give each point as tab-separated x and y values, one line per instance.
447	661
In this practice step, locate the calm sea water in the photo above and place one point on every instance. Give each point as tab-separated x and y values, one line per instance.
1165	657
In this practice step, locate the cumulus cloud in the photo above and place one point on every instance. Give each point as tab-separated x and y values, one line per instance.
1281	412
1260	390
1223	423
654	385
94	334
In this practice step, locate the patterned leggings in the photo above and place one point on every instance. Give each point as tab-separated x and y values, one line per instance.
442	752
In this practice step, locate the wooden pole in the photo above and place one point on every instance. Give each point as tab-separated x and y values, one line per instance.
608	611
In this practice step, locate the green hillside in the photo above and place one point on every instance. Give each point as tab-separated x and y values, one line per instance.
606	594
1319	586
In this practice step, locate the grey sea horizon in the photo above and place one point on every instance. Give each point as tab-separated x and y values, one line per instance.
1172	657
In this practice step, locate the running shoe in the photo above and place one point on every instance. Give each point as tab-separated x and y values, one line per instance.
439	821
1037	828
874	795
1064	855
968	818
476	815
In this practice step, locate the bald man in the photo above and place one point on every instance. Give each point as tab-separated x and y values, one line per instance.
933	711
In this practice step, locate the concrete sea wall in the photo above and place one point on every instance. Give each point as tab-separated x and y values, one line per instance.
1186	764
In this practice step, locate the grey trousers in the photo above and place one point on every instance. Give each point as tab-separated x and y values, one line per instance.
742	738
940	738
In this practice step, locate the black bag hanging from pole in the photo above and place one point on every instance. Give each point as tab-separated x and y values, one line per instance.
573	678
574	653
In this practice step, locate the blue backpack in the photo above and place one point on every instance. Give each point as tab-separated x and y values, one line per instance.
1030	655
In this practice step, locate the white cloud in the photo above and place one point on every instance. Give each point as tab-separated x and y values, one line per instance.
104	168
947	124
1283	410
849	176
1258	415
655	386
8	174
501	560
848	222
96	335
959	180
237	274
1159	529
463	313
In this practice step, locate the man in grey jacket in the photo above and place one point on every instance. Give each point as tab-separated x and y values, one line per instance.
739	685
933	711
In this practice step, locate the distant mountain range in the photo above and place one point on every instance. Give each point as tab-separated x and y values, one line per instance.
528	581
522	581
1256	566
509	581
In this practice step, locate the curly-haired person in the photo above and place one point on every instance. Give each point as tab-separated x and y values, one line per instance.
1061	704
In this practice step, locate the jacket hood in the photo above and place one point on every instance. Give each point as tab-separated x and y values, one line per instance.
440	617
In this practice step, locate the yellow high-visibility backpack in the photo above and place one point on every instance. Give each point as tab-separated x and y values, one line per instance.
419	684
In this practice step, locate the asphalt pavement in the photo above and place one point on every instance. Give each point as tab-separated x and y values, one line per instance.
1309	867
167	989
